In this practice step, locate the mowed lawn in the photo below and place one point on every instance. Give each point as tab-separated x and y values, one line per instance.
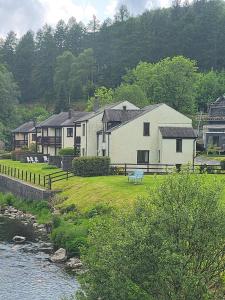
39	168
115	191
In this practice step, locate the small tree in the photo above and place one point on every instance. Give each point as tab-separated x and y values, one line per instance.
171	246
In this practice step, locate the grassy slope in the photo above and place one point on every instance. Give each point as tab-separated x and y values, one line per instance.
85	193
113	190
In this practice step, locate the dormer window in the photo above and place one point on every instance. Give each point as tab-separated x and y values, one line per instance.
124	107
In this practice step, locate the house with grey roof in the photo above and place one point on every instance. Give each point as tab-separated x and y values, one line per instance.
58	132
23	136
127	134
92	124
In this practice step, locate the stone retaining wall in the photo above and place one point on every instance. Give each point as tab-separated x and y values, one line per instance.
23	189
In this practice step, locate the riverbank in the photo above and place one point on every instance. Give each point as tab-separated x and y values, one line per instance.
26	271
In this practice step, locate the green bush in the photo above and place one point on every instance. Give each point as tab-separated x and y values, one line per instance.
66	151
70	236
6	156
222	164
91	166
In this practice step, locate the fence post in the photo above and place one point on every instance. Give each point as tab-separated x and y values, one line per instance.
125	170
30	176
18	173
34	178
26	176
49	182
67	175
22	174
39	179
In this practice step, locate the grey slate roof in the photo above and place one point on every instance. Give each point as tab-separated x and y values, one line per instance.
178	132
119	115
62	119
99	111
25	128
141	112
75	116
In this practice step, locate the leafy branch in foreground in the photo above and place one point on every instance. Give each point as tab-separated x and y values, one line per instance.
170	246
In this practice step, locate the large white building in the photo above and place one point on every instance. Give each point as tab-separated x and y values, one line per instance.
127	134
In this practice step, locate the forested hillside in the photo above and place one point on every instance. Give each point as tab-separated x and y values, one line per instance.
69	64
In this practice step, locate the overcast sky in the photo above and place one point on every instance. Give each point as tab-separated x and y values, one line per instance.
21	15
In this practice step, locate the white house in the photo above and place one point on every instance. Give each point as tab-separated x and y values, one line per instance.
91	124
57	132
127	134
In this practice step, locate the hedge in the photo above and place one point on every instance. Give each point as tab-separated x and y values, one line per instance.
66	151
91	166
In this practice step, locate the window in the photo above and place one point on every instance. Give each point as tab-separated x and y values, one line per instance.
83	130
103	152
26	136
69	132
33	137
142	157
146	129
58	132
178	145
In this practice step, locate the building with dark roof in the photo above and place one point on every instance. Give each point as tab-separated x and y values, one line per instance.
58	132
24	136
127	134
214	131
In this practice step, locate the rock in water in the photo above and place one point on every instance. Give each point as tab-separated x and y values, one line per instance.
59	256
19	239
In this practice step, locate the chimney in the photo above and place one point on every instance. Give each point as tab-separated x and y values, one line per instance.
70	112
96	104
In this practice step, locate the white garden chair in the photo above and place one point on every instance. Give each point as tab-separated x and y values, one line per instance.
28	160
36	159
45	159
32	160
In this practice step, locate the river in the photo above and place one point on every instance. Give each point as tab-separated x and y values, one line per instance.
26	274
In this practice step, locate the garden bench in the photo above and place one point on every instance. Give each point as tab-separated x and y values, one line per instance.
136	176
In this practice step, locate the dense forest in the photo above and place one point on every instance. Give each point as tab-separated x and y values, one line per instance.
174	55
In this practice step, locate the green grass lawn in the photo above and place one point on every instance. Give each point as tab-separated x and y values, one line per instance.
39	168
86	192
115	191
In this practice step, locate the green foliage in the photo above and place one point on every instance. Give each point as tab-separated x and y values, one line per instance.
40	209
91	166
132	93
103	95
170	246
6	156
66	151
169	81
70	236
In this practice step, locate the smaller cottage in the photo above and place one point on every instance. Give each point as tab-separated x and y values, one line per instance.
24	136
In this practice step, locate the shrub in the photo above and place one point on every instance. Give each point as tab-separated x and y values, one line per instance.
66	151
6	156
91	166
70	236
222	164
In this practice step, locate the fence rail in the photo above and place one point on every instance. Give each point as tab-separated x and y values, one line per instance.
124	169
26	176
45	181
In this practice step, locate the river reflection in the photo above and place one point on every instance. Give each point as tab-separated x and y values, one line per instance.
25	274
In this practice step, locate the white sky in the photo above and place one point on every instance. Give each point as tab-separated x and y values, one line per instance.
22	15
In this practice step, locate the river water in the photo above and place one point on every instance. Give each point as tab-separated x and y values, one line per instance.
26	274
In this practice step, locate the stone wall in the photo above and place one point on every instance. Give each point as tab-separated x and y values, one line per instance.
23	189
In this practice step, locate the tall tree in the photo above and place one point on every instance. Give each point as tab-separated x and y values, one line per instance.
62	74
24	62
45	57
60	36
8	50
